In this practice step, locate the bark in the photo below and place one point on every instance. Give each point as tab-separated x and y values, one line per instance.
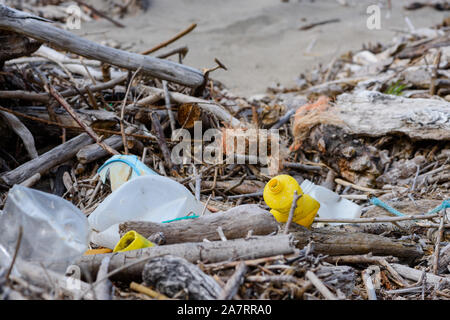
235	223
345	243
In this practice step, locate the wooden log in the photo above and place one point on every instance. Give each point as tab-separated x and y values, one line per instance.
170	275
345	243
235	223
46	161
38	28
214	251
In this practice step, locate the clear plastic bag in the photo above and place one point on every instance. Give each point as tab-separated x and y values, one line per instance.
54	231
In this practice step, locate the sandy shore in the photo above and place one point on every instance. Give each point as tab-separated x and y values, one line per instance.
258	40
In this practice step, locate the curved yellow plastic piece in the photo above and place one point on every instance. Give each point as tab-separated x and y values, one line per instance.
132	241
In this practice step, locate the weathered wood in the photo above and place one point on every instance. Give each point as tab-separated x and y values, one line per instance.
208	106
97	119
39	29
341	278
345	243
336	131
235	186
170	275
214	251
232	286
235	223
414	274
52	280
46	161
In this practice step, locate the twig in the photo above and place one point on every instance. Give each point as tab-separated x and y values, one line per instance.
354	186
169	111
161	140
122	112
375	220
86	128
437	61
314	24
182	51
291	211
52	123
147	291
31	180
320	286
95	11
16	251
232	285
175	38
305	167
438	242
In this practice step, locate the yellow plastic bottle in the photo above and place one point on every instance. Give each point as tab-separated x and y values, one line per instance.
279	194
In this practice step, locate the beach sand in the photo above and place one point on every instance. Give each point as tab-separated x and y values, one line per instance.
258	40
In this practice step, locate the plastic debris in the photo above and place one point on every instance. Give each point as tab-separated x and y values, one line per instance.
54	231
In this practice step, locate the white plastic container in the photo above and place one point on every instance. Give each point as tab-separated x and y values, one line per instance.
332	205
151	198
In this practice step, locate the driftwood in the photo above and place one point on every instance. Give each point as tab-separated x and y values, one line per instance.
211	107
414	274
170	275
235	223
46	97
341	278
231	288
55	281
235	186
46	161
39	29
192	251
336	131
345	243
